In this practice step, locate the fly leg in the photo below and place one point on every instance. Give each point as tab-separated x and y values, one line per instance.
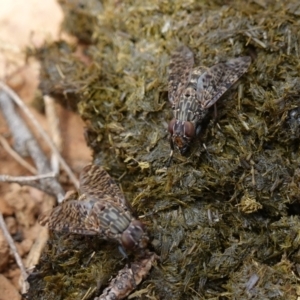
124	254
169	161
215	112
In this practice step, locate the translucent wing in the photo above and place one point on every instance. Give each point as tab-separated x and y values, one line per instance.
96	183
180	70
213	83
104	218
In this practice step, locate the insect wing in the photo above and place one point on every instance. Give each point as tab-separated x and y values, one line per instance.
180	71
96	183
208	82
213	83
71	217
104	218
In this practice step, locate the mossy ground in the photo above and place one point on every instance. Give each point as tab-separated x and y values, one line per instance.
225	216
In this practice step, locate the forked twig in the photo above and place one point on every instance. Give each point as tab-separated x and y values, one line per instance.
42	132
26	143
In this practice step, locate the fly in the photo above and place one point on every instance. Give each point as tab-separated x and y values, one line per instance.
192	91
101	209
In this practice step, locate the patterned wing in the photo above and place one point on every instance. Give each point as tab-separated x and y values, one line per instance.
180	70
70	217
96	183
213	83
104	218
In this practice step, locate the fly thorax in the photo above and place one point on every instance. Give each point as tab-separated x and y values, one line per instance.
116	220
187	105
189	93
135	236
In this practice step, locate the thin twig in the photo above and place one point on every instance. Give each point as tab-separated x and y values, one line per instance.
36	250
13	248
16	156
25	142
44	135
30	181
53	123
22	179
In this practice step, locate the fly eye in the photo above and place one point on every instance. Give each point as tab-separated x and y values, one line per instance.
171	125
189	129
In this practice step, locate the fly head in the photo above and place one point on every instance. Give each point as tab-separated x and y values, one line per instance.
182	133
135	236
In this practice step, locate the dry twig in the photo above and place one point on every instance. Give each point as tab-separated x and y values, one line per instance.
9	92
34	254
16	156
26	143
29	180
25	180
53	123
14	251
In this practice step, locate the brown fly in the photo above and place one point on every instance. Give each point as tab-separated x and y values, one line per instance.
193	91
101	209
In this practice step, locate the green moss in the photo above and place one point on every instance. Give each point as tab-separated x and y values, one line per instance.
210	242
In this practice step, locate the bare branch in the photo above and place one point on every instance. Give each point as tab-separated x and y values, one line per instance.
44	135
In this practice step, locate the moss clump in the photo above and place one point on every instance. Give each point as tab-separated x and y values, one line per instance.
83	14
60	63
70	262
212	244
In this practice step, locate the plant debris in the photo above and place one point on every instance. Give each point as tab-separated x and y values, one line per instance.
225	218
128	278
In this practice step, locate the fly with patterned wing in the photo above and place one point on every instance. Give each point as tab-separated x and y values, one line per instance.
193	91
101	209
